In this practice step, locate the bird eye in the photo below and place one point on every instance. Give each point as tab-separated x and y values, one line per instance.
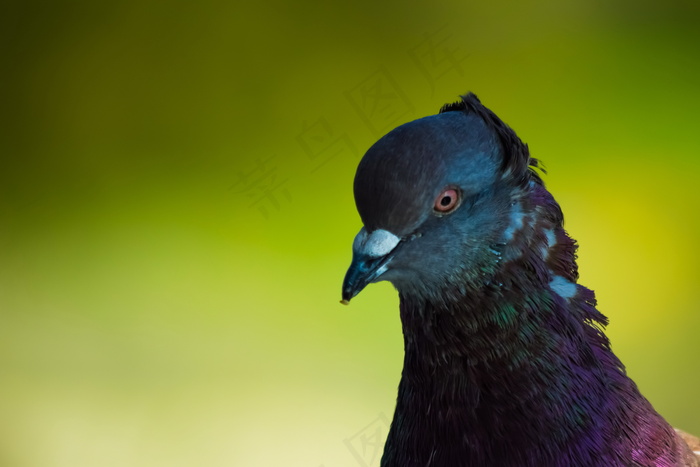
447	201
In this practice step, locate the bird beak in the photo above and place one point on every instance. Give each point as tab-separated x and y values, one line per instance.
371	253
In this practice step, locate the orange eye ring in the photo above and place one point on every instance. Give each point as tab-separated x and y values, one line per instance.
447	201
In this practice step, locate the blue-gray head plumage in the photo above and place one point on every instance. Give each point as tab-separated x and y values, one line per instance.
401	178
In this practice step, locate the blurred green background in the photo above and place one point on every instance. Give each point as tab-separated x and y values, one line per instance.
176	210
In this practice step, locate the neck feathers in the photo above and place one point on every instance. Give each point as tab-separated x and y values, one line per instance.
517	370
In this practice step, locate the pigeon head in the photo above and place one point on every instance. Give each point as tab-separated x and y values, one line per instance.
437	196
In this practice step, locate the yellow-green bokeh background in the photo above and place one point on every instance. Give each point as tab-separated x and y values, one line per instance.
156	310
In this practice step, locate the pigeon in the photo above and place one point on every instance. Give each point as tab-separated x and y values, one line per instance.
506	360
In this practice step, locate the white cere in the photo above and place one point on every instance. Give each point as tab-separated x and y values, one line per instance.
378	243
563	287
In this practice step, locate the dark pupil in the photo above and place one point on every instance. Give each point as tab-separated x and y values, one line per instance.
445	201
